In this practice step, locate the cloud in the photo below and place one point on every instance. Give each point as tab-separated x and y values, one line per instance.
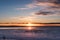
31	5
43	13
48	11
47	7
20	18
48	1
27	6
56	1
21	8
51	7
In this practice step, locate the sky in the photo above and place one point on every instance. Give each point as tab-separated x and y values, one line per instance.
34	11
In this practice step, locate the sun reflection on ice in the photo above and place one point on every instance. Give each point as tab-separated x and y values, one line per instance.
30	28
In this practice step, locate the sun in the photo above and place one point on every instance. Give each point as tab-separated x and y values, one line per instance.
29	24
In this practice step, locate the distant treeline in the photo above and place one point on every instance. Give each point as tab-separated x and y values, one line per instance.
32	23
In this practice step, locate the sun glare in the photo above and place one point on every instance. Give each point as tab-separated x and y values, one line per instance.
29	24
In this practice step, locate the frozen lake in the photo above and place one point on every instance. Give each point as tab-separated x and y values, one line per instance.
22	33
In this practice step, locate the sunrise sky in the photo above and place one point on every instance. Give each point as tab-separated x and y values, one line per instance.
23	11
